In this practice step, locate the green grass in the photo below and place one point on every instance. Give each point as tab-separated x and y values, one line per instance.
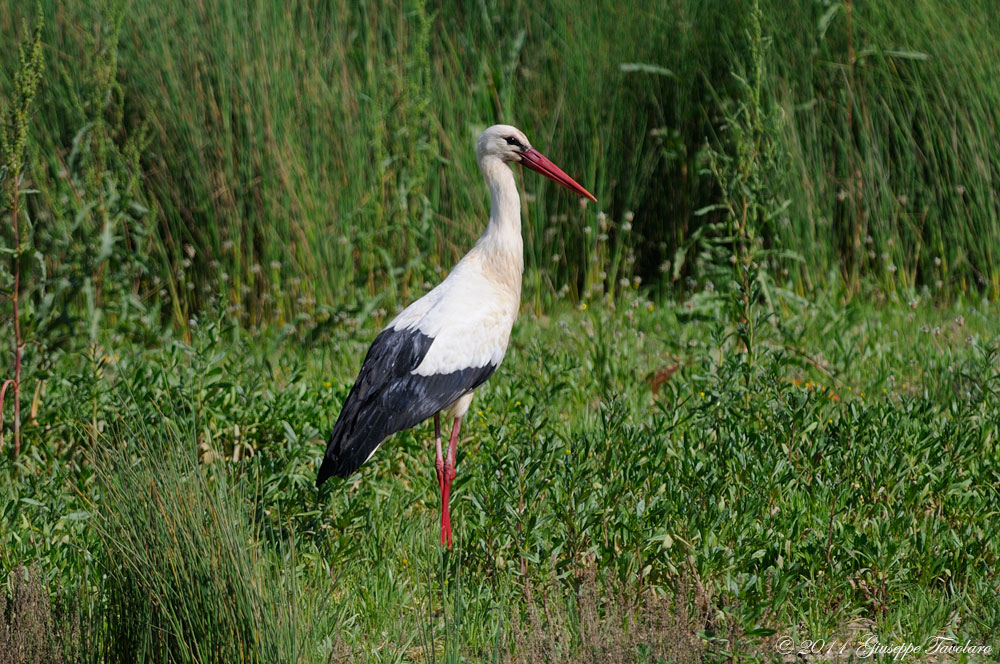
850	475
282	160
753	393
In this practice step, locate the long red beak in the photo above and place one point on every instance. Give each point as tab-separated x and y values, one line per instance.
538	162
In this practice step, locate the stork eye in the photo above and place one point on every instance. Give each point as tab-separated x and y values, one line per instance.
513	141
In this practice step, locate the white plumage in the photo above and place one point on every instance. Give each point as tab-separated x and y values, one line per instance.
469	320
433	355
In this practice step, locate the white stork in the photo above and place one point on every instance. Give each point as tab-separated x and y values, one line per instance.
438	350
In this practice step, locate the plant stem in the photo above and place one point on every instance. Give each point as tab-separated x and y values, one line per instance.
15	382
18	344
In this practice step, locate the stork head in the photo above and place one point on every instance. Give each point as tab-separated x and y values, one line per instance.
510	145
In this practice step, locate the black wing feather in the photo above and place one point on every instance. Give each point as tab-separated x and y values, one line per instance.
387	397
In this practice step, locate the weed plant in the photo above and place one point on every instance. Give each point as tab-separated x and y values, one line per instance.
752	394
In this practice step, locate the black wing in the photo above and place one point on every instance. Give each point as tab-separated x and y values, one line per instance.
387	398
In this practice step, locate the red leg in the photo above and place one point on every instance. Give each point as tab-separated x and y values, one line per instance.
439	466
449	475
439	460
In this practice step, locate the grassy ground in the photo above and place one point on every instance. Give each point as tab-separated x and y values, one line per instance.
751	401
847	477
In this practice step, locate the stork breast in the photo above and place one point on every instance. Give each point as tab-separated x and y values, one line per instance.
470	326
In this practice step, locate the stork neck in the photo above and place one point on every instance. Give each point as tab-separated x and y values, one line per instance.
501	242
505	204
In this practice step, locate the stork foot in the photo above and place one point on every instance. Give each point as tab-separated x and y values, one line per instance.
446	473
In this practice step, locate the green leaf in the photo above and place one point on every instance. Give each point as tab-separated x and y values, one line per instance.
908	55
107	243
290	433
645	68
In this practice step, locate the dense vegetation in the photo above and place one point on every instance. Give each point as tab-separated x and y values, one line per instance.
753	394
